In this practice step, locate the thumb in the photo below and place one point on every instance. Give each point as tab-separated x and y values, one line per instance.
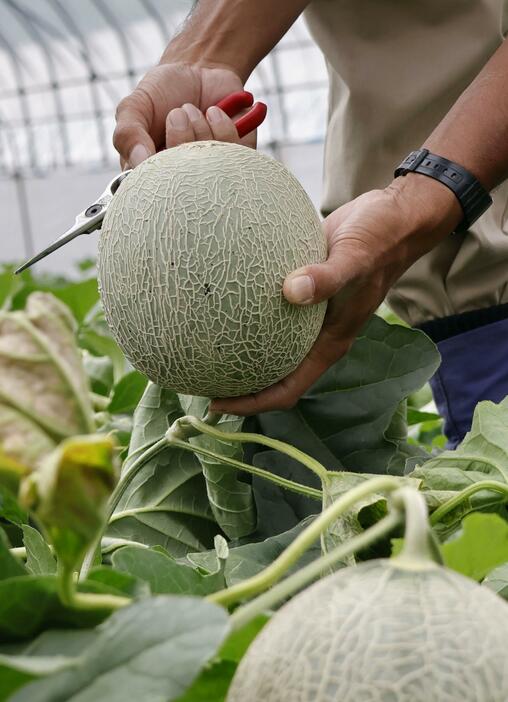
315	283
131	137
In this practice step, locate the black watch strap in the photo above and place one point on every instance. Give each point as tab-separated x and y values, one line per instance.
471	194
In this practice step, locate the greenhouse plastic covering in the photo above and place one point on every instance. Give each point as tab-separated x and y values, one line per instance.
65	65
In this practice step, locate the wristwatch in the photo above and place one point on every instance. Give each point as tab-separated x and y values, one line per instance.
470	193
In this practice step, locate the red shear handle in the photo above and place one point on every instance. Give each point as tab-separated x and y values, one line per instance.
234	103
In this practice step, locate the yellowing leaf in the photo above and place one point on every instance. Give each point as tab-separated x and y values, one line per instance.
70	491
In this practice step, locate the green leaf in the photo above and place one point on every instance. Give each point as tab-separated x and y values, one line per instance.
79	297
365	512
86	264
69	494
350	410
416	416
152	650
236	645
10	509
164	574
94	335
213	683
127	393
482	545
118	583
10	566
39	559
166	504
230	497
245	561
99	370
482	455
497	580
17	671
278	509
9	286
31	603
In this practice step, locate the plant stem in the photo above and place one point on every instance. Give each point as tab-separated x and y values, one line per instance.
131	472
185	430
65	583
93	601
244	614
99	402
84	600
419	549
276	570
277	480
464	494
309	462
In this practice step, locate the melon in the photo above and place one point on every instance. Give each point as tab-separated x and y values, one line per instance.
193	253
379	632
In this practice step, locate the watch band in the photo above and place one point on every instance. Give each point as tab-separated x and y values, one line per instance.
470	193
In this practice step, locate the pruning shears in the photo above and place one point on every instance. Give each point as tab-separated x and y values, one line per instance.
91	218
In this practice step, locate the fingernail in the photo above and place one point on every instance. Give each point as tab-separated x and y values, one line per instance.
138	154
214	114
300	289
178	119
192	112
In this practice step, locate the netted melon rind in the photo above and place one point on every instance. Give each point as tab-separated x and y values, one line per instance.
193	253
377	633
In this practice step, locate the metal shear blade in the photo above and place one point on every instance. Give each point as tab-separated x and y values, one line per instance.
86	222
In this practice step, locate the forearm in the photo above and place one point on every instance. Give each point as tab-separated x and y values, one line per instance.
474	133
235	34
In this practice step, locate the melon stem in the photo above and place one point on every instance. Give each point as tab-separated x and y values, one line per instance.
276	570
303	577
465	494
420	549
245	437
89	601
253	470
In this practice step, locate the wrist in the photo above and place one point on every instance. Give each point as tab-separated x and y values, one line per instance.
431	210
199	52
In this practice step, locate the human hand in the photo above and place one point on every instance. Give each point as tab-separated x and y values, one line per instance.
372	240
173	104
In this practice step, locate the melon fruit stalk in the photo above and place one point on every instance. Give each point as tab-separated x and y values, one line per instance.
193	254
398	630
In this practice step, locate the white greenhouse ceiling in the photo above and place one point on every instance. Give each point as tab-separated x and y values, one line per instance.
65	64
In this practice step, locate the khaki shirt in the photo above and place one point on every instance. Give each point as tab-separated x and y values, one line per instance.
395	69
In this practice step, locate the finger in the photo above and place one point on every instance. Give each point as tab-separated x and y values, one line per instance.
349	259
286	393
178	128
202	130
131	137
222	126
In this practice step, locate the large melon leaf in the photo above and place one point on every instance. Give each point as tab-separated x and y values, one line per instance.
352	419
354	410
482	455
44	391
152	650
166	504
231	498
